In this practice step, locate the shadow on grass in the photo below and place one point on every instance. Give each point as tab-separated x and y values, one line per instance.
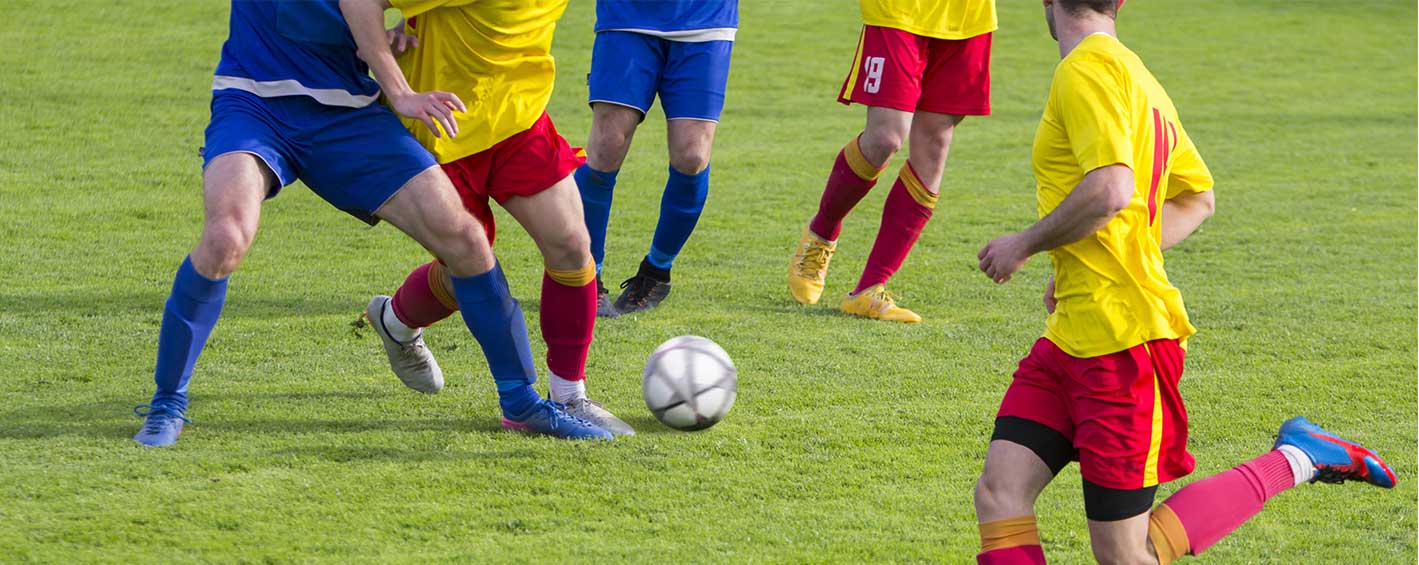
239	304
348	454
113	417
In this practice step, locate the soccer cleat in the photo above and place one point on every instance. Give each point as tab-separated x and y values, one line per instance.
1337	460
604	307
162	424
550	418
643	291
412	362
596	414
878	304
809	267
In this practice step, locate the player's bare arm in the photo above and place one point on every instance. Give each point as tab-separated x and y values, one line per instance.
366	19
1182	214
1089	207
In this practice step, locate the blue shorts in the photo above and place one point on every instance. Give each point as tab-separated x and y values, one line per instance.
629	69
354	158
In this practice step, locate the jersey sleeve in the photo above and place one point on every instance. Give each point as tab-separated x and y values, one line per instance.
411	8
1188	173
1093	107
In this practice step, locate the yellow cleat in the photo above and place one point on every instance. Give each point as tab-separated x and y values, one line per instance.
878	304
809	267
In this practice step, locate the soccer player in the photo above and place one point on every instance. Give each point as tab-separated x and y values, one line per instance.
920	69
678	50
1119	181
507	150
291	100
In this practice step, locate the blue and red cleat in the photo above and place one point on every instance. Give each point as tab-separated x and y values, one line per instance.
162	424
1337	460
550	418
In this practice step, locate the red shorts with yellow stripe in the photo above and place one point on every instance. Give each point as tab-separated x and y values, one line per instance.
1122	411
529	162
903	71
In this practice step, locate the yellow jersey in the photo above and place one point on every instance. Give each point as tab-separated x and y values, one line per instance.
496	55
941	19
1105	108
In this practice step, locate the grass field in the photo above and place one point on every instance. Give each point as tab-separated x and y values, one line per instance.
851	441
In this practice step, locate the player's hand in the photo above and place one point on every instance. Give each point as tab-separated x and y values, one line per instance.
430	107
1050	301
1003	256
399	42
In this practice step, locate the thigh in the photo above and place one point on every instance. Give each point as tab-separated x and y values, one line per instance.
469	177
957	77
625	69
242	123
694	79
358	158
887	69
553	217
1130	435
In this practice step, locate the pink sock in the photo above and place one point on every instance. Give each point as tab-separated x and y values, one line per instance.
1211	508
1018	555
844	190
903	218
568	316
416	302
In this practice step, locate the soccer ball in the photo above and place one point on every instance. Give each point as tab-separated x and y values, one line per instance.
689	383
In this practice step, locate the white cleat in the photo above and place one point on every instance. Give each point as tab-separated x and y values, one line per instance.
412	362
593	412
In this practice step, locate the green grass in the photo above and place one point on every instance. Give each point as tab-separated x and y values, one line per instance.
851	441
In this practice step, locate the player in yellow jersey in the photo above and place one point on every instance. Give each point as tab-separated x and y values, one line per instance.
496	56
1119	181
920	68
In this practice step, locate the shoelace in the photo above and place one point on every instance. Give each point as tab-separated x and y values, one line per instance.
883	300
560	410
638	289
157	416
815	259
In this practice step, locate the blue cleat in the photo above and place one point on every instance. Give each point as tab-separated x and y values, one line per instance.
163	425
550	418
1337	460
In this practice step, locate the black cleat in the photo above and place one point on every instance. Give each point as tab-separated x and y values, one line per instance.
643	291
604	307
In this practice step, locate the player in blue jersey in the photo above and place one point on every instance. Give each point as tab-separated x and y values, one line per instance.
292	100
677	50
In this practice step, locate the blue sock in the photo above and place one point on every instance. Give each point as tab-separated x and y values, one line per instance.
596	188
191	311
495	319
680	209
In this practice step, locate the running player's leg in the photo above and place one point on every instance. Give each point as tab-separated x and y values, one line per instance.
1031	443
625	71
245	160
886	77
692	92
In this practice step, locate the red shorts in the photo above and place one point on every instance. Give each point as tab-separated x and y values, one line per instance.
525	164
908	72
1122	411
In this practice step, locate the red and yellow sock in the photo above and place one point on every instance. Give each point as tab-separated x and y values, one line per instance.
425	297
1012	541
852	178
568	317
909	207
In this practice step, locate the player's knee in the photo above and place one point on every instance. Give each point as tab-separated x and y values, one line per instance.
224	244
462	244
995	495
690	160
571	251
879	144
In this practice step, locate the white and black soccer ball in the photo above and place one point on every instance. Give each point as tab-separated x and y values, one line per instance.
689	383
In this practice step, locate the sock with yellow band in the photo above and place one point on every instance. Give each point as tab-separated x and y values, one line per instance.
568	317
853	176
908	208
1012	541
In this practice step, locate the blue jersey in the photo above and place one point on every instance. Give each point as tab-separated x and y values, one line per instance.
686	20
294	48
